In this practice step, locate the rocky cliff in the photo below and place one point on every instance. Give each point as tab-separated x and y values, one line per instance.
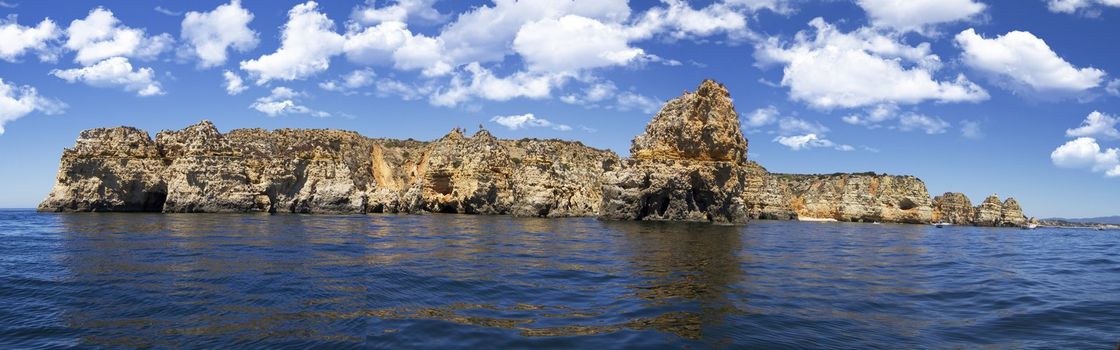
690	164
861	197
199	169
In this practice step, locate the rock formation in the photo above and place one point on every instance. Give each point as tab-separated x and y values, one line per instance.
199	169
688	165
954	208
860	197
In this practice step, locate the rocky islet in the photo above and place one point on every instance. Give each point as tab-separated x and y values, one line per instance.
690	164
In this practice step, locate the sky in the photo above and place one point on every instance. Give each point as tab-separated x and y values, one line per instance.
1017	98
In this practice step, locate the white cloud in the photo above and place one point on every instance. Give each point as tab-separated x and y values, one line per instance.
307	45
1097	124
573	43
528	120
927	124
628	101
790	126
16	40
407	92
679	20
863	68
809	141
918	15
1025	63
284	101
114	72
8	5
210	34
399	11
1085	153
351	81
18	101
168	12
234	84
482	83
100	36
605	95
486	33
877	116
971	130
1071	6
1113	87
762	117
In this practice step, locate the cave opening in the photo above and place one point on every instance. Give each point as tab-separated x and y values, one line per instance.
153	202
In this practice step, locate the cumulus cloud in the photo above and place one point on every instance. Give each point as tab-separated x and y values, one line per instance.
762	117
878	116
16	40
476	81
1085	153
284	101
399	11
234	84
1098	125
809	141
351	81
166	11
1072	6
830	69
209	35
605	94
573	43
100	35
528	120
308	42
679	20
18	101
1113	87
406	91
918	15
114	72
1025	63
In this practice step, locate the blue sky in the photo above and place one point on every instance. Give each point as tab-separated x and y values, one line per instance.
978	96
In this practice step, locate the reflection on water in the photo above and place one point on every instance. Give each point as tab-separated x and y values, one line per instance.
477	281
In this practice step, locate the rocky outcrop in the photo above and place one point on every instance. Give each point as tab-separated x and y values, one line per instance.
954	208
688	165
199	169
859	197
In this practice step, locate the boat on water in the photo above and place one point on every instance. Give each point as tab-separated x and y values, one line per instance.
942	224
1029	226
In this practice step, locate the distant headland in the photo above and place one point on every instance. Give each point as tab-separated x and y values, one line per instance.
690	164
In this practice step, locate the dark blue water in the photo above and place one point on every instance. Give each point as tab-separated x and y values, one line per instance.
447	281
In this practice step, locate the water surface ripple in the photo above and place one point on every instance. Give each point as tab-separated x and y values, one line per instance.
457	281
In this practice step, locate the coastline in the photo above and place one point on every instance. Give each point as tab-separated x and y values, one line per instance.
690	164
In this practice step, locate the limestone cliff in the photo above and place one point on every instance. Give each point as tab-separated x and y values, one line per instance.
688	165
860	197
199	169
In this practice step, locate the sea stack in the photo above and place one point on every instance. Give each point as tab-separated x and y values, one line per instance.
688	165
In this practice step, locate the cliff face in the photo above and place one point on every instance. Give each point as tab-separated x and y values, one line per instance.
688	165
199	169
842	197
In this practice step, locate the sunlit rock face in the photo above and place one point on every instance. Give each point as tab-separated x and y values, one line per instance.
953	208
688	165
856	197
199	169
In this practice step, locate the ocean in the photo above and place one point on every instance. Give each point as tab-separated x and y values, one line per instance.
482	282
